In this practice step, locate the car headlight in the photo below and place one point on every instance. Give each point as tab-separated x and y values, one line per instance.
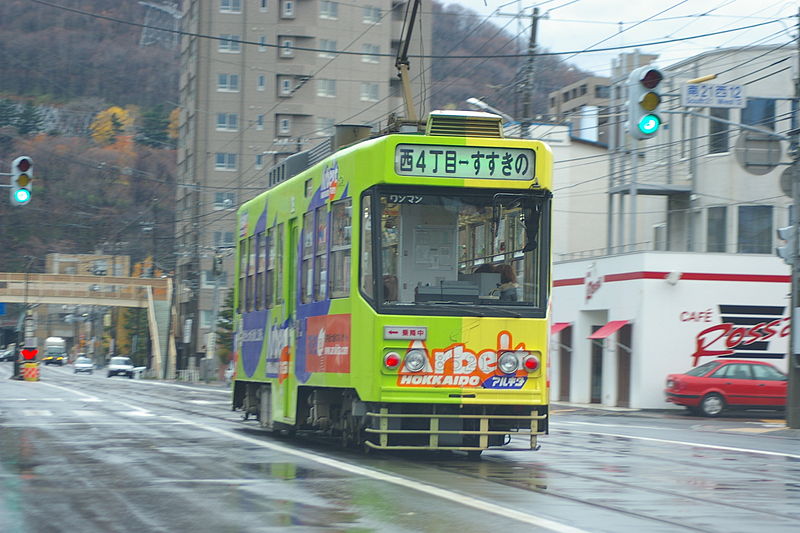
507	363
415	360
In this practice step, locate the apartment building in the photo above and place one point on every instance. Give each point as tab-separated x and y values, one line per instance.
260	80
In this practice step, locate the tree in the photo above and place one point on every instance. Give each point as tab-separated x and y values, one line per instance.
225	329
109	124
174	124
153	129
9	114
29	120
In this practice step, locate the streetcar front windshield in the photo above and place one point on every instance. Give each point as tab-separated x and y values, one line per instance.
478	250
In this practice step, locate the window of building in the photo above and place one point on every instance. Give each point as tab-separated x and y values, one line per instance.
328	47
369	92
260	122
287	47
565	96
229	43
602	91
206	318
263	5
284	126
210	280
717	229
371	14
341	217
261	83
259	161
325	126
230	6
285	87
227	121
370	53
224	161
223	238
228	82
718	132
224	200
759	112
326	88
262	43
583	89
755	229
287	9
328	10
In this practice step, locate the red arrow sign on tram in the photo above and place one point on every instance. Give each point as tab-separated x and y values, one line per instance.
29	353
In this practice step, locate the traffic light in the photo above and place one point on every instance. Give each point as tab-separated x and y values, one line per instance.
788	251
21	176
643	102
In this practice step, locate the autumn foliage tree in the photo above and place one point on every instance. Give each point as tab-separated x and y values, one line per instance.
110	124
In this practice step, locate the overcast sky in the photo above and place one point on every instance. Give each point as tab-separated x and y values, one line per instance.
572	25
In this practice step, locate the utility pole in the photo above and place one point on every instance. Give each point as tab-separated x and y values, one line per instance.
526	95
793	396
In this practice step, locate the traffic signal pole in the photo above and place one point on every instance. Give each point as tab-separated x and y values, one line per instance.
793	396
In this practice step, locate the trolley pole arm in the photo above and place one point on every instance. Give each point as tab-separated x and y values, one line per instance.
402	64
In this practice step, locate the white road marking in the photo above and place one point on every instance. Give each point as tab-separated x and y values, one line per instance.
84	396
37	412
684	443
484	506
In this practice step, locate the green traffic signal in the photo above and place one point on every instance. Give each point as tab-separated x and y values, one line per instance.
649	124
643	102
21	178
22	196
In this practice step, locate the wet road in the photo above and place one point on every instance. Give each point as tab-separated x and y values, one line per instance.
93	454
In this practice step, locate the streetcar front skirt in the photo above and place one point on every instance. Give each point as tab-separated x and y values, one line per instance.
466	428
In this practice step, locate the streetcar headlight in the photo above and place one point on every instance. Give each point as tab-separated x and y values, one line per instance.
415	360
391	360
508	363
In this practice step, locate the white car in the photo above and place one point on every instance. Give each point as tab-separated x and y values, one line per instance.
120	366
83	364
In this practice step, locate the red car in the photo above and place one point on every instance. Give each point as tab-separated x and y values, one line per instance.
728	383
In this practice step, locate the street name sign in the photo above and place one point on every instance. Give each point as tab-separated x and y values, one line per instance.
713	95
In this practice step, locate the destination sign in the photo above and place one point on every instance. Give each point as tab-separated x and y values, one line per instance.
481	162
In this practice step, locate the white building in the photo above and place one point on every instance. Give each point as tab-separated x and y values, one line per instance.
684	268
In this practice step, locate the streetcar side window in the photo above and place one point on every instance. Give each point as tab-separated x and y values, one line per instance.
270	275
366	246
242	274
341	242
307	270
321	265
261	259
251	272
279	265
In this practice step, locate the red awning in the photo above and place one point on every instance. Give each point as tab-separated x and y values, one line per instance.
558	326
608	329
